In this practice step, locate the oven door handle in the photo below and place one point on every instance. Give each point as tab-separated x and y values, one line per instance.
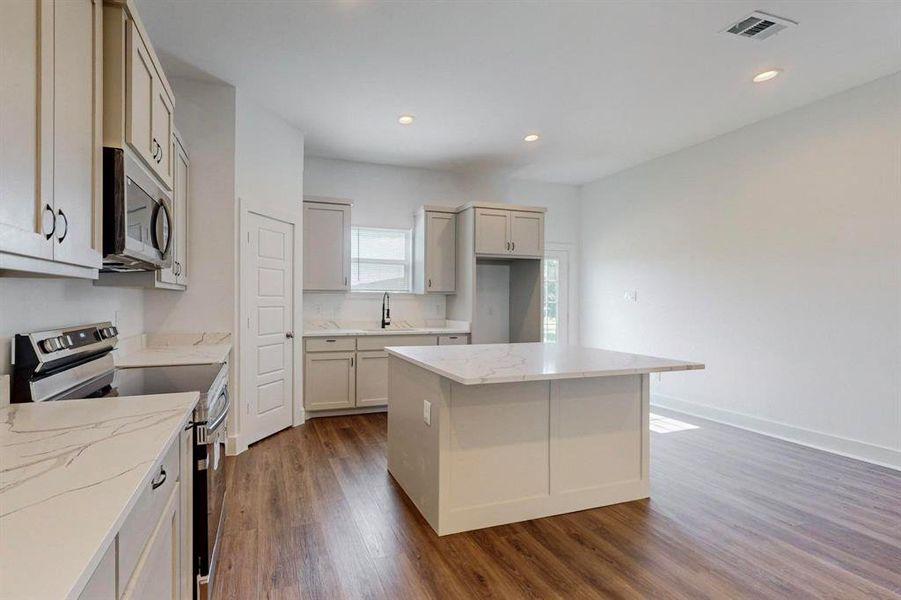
212	426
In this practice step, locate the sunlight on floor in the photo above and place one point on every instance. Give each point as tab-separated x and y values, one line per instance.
661	424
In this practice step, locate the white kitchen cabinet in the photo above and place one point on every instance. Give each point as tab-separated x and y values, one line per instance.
492	231
434	252
102	584
157	575
372	378
50	161
326	245
138	102
513	233
329	380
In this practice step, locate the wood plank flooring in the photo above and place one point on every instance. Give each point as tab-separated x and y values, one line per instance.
313	513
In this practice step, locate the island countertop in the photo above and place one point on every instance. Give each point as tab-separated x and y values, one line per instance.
503	363
70	473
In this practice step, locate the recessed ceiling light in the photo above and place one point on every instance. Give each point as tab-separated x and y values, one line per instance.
532	137
767	75
405	119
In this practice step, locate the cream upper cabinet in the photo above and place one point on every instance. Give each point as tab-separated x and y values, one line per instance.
492	231
326	245
50	103
527	234
138	101
434	252
181	177
513	233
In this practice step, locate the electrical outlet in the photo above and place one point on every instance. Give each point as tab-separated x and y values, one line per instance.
659	376
631	296
317	310
116	319
427	412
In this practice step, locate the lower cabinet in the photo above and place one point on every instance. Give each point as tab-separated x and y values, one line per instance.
372	378
347	372
329	380
150	557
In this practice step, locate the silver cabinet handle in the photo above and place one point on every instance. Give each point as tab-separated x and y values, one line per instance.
48	222
430	283
66	225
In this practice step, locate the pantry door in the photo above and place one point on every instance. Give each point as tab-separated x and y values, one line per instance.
268	348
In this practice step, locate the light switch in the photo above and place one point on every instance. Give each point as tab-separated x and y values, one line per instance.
427	412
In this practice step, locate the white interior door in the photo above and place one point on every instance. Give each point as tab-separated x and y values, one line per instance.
268	355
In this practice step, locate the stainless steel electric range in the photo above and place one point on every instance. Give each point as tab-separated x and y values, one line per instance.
77	362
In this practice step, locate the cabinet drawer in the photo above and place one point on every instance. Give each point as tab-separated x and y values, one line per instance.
456	339
378	342
146	513
329	344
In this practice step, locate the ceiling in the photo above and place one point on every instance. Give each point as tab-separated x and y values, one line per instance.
607	84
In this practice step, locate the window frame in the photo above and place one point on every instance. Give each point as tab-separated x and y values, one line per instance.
407	262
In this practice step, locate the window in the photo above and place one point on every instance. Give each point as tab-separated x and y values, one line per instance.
380	260
555	311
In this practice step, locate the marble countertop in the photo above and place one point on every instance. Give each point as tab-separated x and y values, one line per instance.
504	363
169	349
70	472
358	329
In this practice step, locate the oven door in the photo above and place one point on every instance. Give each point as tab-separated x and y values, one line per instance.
209	489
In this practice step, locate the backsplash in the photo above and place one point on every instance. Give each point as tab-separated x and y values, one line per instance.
367	307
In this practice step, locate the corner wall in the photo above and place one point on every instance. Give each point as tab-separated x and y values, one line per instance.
772	254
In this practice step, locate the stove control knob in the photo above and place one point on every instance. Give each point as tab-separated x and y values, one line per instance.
65	341
108	332
51	345
113	331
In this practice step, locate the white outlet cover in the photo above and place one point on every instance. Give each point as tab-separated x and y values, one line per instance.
427	412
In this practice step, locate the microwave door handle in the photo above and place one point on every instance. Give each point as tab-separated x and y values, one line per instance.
158	230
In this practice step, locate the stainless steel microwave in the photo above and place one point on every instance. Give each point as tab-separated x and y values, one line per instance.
137	216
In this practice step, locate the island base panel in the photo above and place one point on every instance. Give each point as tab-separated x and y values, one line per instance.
508	452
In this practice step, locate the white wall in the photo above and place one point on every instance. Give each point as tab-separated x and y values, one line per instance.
34	304
772	254
387	196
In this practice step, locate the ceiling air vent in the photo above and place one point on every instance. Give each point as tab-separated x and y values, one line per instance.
759	26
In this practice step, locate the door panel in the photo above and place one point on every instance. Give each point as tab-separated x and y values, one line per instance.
180	174
139	101
326	244
372	378
269	296
527	233
441	254
329	380
162	132
492	231
26	101
76	140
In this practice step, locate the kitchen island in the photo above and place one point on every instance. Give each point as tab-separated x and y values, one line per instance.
490	434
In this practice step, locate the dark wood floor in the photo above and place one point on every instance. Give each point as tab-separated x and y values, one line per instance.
312	513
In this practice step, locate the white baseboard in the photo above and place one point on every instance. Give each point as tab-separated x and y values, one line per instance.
870	453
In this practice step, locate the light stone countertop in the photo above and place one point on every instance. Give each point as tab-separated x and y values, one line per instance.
327	328
172	349
70	472
504	363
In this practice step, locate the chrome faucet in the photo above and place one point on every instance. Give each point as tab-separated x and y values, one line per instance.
386	310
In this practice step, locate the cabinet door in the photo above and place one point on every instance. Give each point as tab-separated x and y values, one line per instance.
76	131
372	378
441	252
139	96
102	584
326	246
157	575
26	134
162	132
181	177
329	380
492	231
527	233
